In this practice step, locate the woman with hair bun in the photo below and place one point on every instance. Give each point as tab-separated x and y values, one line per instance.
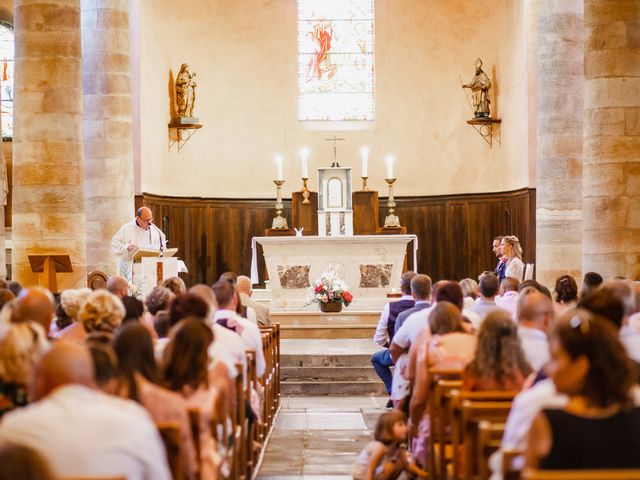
599	428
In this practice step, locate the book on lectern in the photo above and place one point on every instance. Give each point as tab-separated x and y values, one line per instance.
139	253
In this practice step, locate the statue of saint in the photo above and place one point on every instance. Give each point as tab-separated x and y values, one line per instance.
480	85
185	91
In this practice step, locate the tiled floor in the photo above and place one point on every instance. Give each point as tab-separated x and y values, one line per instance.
319	438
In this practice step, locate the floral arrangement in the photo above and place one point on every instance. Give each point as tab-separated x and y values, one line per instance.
329	288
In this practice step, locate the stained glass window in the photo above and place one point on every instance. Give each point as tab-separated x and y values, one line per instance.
6	79
335	60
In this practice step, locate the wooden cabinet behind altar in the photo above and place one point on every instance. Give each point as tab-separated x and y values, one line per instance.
455	231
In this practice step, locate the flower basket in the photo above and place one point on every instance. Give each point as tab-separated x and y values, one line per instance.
331	307
330	293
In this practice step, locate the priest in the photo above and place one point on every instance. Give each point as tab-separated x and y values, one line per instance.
139	233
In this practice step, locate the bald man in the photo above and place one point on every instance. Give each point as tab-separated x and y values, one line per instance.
81	431
118	286
245	290
535	314
34	304
138	233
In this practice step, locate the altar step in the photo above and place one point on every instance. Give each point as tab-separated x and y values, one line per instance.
318	325
330	367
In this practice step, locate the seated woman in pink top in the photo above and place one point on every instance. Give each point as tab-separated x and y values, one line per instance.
138	378
499	362
186	371
450	347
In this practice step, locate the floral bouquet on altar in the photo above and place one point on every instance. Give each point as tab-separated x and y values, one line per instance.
330	292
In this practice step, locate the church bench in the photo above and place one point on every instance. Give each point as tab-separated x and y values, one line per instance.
466	411
170	434
438	422
489	439
581	475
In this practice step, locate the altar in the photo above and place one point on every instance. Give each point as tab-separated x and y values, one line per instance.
370	265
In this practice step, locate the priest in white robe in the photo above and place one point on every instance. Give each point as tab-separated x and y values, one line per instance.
139	233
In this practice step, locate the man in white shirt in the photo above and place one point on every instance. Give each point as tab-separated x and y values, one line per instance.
227	317
81	431
227	347
138	233
535	314
508	295
385	331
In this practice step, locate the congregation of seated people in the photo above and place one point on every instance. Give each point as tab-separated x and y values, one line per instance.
563	365
91	381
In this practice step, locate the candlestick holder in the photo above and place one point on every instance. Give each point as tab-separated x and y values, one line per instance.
279	221
391	220
364	185
305	191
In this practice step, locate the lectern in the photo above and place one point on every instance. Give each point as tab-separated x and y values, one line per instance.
49	265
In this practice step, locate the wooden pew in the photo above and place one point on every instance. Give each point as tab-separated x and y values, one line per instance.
467	409
489	440
581	475
441	386
170	433
194	423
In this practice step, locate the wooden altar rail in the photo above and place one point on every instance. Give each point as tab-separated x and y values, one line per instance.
455	231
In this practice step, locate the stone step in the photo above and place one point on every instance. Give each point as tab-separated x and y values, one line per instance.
292	374
324	332
332	388
329	360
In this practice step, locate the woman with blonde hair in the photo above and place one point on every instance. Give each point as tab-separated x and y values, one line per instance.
470	291
21	346
512	258
101	313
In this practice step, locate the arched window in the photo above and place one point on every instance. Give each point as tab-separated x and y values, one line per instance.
6	78
335	60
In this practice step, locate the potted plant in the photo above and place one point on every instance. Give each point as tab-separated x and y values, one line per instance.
330	293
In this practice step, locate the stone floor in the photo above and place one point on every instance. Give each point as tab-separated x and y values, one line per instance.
343	346
319	437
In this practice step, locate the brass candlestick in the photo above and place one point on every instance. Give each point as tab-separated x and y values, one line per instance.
305	191
364	185
279	221
391	220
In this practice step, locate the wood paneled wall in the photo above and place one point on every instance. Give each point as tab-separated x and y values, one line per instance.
454	231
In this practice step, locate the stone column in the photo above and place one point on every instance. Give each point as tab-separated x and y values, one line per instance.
559	105
108	138
48	178
611	190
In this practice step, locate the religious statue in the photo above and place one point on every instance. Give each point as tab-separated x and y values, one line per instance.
185	91
480	85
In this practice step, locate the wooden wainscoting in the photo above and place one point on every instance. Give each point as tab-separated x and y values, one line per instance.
454	231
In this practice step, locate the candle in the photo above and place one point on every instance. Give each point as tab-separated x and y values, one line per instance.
365	160
279	175
389	166
304	153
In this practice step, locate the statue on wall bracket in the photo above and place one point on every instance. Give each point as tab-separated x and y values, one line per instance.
480	85
185	96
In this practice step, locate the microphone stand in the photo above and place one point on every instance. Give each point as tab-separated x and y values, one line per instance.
159	238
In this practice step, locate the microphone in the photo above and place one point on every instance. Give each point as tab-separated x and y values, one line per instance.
159	237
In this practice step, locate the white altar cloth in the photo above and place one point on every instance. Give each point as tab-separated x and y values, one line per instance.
370	265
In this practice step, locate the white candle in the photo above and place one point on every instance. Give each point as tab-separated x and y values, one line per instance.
365	161
279	175
389	166
304	153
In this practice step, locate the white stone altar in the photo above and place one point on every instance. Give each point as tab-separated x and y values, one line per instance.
370	265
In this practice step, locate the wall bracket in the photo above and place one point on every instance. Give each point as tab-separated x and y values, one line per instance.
183	134
484	126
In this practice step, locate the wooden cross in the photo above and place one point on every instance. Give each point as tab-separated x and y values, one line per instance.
334	140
